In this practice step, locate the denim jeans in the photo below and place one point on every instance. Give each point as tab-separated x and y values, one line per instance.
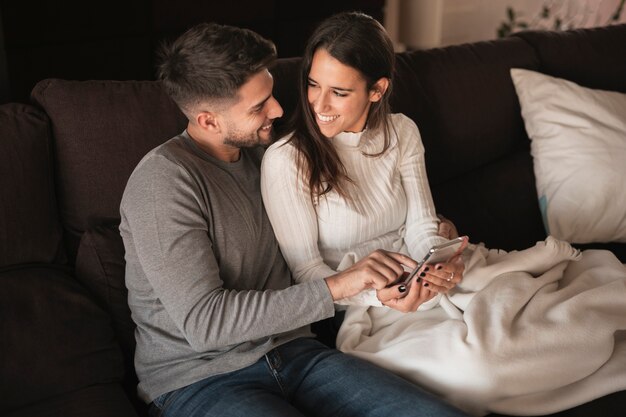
302	378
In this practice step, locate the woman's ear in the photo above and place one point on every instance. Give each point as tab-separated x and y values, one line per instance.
378	89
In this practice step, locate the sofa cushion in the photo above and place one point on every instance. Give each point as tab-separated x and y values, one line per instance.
31	231
512	221
464	103
592	57
579	150
100	267
101	129
54	339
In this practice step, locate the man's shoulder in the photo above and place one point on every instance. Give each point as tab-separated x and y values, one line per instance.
162	161
161	175
172	149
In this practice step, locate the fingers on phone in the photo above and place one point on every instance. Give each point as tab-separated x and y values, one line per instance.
392	294
444	276
436	284
416	295
430	280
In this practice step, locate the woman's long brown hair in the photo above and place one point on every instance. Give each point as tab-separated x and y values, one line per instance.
359	41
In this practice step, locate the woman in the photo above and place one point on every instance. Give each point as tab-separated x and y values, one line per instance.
351	174
525	332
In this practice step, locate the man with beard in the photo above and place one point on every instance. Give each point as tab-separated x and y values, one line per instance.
221	329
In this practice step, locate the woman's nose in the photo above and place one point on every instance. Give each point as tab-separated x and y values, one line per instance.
321	102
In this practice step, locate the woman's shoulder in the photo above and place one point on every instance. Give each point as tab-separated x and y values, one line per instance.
403	125
406	131
402	121
282	150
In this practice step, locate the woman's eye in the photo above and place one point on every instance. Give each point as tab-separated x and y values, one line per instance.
339	94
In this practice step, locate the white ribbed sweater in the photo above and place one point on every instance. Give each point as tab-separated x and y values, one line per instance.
391	208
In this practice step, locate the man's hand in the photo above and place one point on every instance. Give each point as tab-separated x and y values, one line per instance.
447	229
377	270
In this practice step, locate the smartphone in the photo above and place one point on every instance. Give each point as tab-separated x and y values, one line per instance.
440	253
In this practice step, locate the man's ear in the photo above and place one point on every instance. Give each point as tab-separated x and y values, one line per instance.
378	89
208	121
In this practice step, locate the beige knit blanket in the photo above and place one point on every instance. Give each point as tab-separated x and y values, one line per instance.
527	332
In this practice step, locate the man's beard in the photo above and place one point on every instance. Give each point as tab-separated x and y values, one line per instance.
240	139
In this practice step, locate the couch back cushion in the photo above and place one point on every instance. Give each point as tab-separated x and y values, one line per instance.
477	151
31	231
101	129
594	58
100	267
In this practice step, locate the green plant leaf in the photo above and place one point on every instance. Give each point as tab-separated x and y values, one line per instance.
510	13
618	11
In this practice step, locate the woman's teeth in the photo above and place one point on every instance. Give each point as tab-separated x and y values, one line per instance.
326	118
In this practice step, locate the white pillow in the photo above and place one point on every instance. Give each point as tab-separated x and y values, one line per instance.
578	144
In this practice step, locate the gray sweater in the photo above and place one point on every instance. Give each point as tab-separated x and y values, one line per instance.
207	285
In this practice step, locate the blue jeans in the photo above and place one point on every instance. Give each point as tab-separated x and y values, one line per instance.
302	378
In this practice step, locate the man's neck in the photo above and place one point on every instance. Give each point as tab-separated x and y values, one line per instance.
214	145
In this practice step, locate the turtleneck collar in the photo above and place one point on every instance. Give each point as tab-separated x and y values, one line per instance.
348	139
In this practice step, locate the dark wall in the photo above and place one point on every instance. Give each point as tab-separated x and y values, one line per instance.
4	80
117	39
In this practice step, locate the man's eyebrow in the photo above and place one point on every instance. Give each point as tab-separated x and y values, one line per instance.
334	88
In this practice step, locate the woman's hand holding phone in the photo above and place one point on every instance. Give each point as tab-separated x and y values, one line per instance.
442	267
407	301
440	270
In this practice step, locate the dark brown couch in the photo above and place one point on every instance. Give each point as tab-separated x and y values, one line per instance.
66	336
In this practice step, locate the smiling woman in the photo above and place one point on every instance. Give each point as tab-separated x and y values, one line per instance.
352	174
493	330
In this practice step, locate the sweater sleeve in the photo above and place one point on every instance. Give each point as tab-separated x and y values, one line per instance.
421	220
294	219
292	214
169	235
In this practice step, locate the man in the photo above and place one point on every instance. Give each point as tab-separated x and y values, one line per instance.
221	330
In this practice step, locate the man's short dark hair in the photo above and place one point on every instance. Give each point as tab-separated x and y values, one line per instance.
210	62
